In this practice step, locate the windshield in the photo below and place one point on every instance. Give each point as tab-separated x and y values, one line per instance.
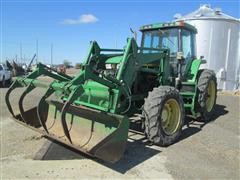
161	39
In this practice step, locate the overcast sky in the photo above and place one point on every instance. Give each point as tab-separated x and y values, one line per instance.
71	25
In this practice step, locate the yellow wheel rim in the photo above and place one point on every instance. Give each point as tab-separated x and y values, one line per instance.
171	116
211	90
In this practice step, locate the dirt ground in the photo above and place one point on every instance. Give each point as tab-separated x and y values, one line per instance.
209	150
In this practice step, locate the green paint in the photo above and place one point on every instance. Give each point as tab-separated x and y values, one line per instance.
114	60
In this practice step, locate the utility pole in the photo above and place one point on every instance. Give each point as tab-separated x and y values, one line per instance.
51	55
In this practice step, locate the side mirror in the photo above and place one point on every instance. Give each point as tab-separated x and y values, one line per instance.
201	57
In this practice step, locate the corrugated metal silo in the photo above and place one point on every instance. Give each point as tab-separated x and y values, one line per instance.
218	40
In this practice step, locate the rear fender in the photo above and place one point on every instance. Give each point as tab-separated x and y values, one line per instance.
192	70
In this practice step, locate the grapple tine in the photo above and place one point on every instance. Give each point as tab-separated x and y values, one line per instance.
15	85
20	102
41	105
63	120
65	108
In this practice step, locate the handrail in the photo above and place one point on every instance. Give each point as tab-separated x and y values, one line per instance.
155	49
112	50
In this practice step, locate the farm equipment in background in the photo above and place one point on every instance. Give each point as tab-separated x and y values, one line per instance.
91	111
9	65
17	69
29	67
61	69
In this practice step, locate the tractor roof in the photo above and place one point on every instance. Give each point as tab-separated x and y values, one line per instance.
181	24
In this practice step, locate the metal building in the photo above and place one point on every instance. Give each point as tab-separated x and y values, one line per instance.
218	40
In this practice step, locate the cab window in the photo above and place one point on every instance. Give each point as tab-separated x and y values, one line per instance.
187	44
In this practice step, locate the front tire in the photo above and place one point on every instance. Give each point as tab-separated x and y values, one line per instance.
207	94
164	115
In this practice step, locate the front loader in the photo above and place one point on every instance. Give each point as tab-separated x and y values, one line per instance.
91	111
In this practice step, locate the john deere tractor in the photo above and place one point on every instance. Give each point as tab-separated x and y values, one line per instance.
161	80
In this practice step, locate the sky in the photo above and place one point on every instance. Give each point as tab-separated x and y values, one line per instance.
69	26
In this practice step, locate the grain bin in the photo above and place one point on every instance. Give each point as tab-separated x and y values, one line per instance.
218	40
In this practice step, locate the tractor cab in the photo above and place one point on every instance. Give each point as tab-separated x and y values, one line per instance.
178	37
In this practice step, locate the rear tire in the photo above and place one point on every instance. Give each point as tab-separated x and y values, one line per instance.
164	115
207	94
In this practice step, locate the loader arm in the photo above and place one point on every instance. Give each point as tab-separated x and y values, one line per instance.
131	62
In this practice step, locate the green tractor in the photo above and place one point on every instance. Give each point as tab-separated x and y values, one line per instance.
91	112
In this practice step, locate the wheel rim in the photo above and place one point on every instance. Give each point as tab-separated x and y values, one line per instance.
171	115
211	90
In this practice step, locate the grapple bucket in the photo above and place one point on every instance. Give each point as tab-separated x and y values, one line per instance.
98	134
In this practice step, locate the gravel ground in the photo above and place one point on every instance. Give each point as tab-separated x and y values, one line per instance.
209	150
